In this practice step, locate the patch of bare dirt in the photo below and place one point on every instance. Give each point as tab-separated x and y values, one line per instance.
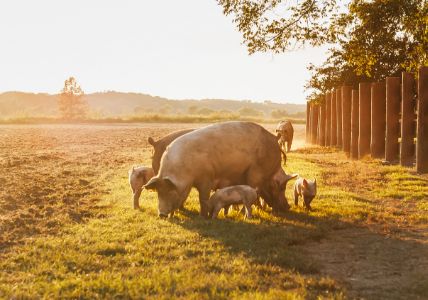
51	175
372	265
386	256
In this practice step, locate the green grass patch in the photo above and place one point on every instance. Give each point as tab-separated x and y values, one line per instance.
133	254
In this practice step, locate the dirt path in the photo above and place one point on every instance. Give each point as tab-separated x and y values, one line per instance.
385	256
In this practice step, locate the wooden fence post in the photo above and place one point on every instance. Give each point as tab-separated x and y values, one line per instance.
346	117
322	122
422	138
328	119
355	111
333	137
378	96
318	127
365	119
339	116
407	149
308	121
392	118
314	123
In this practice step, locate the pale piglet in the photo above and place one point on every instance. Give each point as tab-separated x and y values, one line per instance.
237	194
307	189
138	177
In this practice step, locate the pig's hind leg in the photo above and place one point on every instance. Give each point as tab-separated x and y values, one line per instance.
296	196
216	210
204	195
248	211
226	210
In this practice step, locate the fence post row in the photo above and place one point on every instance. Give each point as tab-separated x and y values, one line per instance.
355	111
422	138
392	118
368	121
346	117
408	128
378	115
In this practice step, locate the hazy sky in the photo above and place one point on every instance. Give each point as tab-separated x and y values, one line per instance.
175	49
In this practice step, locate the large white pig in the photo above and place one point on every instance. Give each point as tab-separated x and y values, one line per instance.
218	156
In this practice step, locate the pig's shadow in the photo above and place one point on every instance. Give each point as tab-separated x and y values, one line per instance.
288	243
265	241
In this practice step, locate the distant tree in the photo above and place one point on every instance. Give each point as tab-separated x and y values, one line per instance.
279	113
250	112
70	101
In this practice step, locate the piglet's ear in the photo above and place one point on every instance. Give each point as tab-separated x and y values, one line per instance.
305	183
292	176
152	184
151	141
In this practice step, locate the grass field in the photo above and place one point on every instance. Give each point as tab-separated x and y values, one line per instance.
68	230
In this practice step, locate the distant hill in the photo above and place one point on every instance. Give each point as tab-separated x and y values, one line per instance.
117	104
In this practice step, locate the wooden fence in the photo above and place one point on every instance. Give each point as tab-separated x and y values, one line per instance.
387	120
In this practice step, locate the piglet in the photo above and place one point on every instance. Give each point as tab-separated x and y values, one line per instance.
138	177
237	194
306	189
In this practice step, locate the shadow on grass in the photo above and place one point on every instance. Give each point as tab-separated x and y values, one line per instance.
274	241
298	242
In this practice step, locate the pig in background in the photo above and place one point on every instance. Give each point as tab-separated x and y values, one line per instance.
286	131
307	189
138	177
160	145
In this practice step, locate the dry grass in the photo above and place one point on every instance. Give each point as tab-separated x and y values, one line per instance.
54	175
68	229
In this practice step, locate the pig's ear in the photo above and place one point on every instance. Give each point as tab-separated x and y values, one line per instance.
289	177
151	141
152	184
305	183
169	182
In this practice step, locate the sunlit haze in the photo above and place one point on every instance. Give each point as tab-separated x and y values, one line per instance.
175	49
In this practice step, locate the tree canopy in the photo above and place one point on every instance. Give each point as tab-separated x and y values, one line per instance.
275	25
375	39
369	40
